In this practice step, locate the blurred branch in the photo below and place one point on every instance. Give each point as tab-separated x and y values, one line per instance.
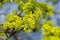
17	38
1	28
1	39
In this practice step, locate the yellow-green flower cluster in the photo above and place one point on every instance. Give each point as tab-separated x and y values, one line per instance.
54	34
12	21
33	12
51	38
3	1
26	23
41	10
49	11
50	32
29	20
47	27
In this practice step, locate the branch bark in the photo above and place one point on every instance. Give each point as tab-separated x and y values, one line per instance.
17	38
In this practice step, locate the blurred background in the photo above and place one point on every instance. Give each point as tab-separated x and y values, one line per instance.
7	9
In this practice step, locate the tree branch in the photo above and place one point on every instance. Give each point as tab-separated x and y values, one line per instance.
18	38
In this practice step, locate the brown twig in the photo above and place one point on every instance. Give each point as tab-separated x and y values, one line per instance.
17	38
